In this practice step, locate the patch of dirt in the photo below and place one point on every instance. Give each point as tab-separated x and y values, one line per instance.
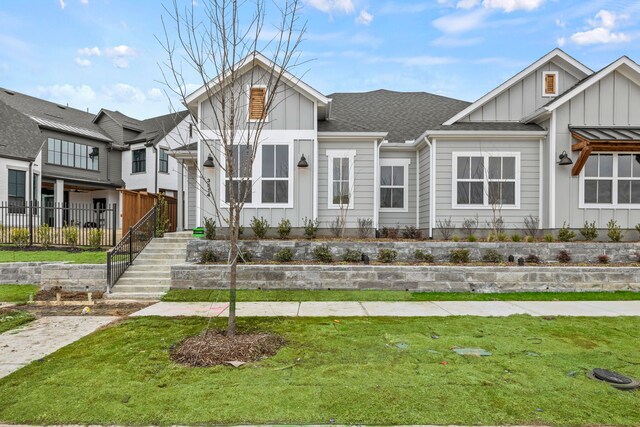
216	348
98	309
50	295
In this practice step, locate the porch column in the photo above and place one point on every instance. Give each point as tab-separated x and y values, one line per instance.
58	198
180	196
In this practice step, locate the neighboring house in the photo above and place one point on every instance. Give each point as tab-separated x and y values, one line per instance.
55	155
418	159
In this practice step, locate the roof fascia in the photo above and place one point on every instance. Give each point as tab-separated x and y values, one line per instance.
485	134
522	74
352	135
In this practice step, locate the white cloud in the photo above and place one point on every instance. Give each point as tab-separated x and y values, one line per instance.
83	62
89	51
460	22
512	5
330	6
602	32
84	2
155	94
560	23
62	4
118	54
364	18
561	41
467	4
121	50
122	92
79	96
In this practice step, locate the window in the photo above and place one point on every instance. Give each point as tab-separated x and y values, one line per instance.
139	160
241	181
257	99
611	179
17	180
341	179
550	83
275	173
484	180
36	187
164	161
71	154
394	176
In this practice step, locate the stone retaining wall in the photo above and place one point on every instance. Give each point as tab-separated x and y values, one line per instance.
414	278
264	250
21	273
75	277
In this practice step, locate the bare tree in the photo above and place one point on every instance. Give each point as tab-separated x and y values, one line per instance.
219	42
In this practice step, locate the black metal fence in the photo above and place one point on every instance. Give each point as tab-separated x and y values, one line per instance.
62	224
129	247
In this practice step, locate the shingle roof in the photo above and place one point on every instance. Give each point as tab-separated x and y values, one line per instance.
404	115
20	136
158	127
490	126
189	147
57	116
122	119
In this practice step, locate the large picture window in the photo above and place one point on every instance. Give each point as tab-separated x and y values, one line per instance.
17	187
485	180
275	173
341	178
71	154
394	177
611	179
139	161
164	161
241	179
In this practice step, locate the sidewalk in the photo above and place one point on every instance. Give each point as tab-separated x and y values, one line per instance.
397	309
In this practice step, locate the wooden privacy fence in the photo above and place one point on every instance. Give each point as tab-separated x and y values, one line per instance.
135	204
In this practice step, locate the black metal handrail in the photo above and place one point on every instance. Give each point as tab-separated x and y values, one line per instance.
129	247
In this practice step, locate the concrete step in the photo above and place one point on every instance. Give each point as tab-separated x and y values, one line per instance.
163	250
146	296
143	281
158	262
134	289
150	267
161	244
146	274
172	256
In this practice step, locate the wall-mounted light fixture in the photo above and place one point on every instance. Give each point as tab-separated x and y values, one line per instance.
303	162
94	152
564	159
209	162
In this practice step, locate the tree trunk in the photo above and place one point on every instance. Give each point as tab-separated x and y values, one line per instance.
233	274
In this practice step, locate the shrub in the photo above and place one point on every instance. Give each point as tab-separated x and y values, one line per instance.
311	227
323	254
259	227
516	238
472	238
532	259
70	235
44	235
502	236
548	237
532	226
531	239
491	255
283	255
446	228
387	255
455	238
613	231
209	228
412	232
352	256
603	259
637	227
459	256
337	226
284	228
365	228
95	238
564	256
162	215
245	256
20	237
208	256
470	226
589	230
422	256
564	234
390	232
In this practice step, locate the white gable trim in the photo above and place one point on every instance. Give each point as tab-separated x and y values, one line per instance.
521	75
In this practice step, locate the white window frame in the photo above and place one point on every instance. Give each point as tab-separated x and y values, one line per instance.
266	95
485	196
405	163
340	154
544	80
256	179
614	183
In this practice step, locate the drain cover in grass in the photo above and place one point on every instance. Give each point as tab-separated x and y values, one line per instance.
478	352
614	379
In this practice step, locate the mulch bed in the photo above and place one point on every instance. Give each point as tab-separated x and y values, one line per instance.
216	348
50	295
98	309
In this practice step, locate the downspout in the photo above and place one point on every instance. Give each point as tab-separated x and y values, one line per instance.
316	166
376	185
432	185
417	189
552	171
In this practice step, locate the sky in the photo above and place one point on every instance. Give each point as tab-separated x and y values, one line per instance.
105	53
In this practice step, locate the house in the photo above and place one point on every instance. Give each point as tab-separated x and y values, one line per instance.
557	143
55	155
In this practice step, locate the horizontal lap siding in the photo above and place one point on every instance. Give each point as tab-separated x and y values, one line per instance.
363	184
529	181
402	219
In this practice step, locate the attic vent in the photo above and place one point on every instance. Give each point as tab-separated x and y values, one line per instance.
8	92
62	107
256	103
550	83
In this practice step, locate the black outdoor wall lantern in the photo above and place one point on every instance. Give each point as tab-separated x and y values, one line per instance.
94	152
565	160
303	162
209	162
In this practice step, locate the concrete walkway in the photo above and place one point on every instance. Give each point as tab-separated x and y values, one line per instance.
400	309
35	340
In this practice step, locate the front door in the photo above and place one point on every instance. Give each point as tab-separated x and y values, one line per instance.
48	211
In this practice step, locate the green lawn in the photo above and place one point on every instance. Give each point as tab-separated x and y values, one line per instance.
180	295
82	257
17	293
13	319
357	371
